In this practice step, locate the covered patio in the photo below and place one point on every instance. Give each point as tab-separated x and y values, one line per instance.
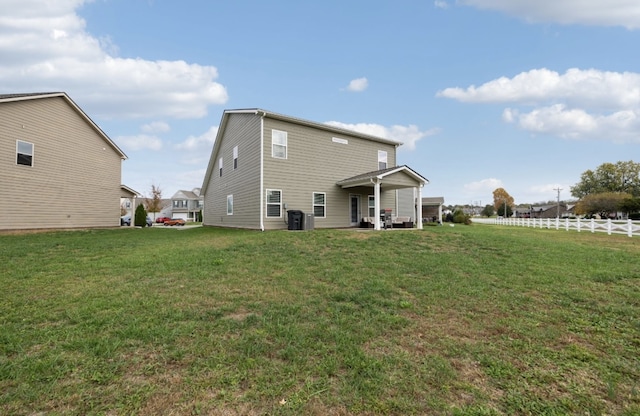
398	177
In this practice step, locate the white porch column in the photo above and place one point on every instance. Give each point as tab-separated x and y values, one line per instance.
133	211
376	204
419	210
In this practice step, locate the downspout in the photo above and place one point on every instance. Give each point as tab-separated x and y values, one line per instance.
261	170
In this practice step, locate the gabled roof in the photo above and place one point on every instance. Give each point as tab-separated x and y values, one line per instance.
182	194
276	116
366	179
435	200
7	98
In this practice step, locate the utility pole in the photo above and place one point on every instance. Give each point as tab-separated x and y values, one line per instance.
558	210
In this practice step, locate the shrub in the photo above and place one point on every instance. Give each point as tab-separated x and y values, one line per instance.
460	217
140	217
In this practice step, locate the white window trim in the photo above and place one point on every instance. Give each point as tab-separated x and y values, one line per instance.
235	158
275	133
229	204
314	205
266	195
32	152
220	166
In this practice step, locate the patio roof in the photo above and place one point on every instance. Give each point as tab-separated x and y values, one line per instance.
390	178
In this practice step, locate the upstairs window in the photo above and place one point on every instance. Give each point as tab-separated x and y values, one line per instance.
279	144
220	166
179	203
24	153
235	158
319	204
382	159
274	203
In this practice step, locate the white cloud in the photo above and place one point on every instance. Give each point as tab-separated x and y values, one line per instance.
441	4
140	142
156	127
408	135
624	13
484	185
200	143
46	48
579	104
358	85
591	87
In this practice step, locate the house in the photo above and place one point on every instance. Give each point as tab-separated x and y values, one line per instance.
187	205
58	169
267	168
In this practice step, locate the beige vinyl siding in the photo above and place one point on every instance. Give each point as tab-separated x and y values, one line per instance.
75	178
315	162
243	131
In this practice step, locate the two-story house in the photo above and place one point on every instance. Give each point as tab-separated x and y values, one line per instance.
58	169
265	164
187	205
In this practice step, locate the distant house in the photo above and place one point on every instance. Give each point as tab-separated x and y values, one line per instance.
267	168
187	205
58	169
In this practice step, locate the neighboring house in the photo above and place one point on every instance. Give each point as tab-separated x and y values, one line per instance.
58	169
187	205
266	167
543	211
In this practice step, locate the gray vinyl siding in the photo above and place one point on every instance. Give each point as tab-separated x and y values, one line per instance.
314	164
407	203
242	130
76	175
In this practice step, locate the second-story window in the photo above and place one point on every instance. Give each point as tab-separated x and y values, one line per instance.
279	144
235	158
220	166
382	159
24	153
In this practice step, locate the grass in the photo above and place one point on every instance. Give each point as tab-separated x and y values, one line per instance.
476	320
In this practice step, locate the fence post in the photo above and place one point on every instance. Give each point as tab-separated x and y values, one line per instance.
566	224
557	223
630	228
578	224
593	225
609	226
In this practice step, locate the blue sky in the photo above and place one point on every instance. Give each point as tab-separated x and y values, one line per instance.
484	93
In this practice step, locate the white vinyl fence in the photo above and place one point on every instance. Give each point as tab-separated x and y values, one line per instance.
628	227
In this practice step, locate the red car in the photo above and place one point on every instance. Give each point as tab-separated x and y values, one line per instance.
162	219
174	221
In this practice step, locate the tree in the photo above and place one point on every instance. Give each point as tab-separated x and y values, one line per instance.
154	204
501	198
603	203
140	217
621	177
488	210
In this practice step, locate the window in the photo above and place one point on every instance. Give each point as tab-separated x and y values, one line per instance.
179	203
229	204
235	158
220	166
319	204
274	203
372	206
382	159
24	152
279	144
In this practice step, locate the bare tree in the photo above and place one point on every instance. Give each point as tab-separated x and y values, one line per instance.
154	203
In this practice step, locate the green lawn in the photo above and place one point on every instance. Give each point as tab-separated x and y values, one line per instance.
465	320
